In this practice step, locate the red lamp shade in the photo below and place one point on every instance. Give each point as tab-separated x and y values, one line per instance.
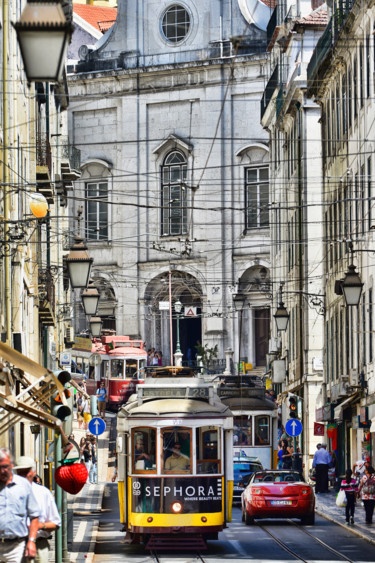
71	478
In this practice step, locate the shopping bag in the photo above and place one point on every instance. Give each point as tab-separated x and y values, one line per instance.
341	499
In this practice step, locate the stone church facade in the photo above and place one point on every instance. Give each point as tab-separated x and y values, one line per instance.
174	187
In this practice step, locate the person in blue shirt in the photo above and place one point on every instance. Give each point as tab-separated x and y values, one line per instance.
18	503
321	462
102	397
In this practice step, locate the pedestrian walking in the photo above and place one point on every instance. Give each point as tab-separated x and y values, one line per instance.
80	410
49	518
17	505
86	413
350	486
102	397
287	453
93	475
366	490
321	462
82	445
280	456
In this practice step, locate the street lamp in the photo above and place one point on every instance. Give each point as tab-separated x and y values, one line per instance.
351	287
96	325
79	264
43	35
178	309
239	302
281	316
90	299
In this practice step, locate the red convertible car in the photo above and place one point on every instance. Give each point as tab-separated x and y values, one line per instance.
278	494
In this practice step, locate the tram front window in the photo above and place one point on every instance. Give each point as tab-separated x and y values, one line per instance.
262	430
242	432
117	369
208	448
131	368
176	450
144	449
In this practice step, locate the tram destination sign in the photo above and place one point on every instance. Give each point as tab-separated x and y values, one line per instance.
176	392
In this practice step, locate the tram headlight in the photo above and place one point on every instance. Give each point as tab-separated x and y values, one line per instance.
176	507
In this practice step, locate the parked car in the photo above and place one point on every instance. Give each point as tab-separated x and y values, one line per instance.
243	468
278	494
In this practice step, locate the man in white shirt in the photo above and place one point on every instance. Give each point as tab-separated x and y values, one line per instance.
49	519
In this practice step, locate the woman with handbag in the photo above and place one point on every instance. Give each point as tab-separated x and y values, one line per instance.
366	490
350	487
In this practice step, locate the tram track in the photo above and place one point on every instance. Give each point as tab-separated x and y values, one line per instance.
195	558
294	553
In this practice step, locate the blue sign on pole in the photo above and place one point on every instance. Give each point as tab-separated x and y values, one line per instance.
293	427
96	426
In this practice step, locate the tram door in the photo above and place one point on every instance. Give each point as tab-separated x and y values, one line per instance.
262	328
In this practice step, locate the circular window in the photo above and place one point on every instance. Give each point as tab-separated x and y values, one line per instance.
175	24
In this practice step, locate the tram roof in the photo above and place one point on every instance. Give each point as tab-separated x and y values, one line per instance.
249	403
173	407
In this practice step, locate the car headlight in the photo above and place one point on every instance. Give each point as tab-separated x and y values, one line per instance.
176	507
257	491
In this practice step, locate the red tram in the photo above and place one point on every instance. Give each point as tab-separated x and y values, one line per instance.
116	360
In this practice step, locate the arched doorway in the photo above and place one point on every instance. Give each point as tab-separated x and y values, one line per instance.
186	288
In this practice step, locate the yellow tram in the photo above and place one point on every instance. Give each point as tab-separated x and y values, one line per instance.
175	468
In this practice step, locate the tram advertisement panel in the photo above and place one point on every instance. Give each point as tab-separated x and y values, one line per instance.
156	495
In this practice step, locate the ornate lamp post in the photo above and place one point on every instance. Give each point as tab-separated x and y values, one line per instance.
90	299
281	316
351	287
79	264
43	35
96	325
178	354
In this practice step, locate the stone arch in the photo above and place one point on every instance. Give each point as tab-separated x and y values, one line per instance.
184	287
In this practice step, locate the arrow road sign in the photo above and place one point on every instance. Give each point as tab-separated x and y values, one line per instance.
293	427
96	426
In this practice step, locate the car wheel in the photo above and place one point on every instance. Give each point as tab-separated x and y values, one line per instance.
308	520
249	520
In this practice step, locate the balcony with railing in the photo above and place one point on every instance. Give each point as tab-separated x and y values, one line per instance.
46	294
323	51
272	84
44	166
70	163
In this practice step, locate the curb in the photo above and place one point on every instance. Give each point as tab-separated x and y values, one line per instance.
95	528
346	527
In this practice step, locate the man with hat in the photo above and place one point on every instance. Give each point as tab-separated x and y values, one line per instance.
321	461
49	519
17	505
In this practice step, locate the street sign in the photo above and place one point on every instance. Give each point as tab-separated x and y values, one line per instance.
96	426
65	358
190	311
163	305
293	427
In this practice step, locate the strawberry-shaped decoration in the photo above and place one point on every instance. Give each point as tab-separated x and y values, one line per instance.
71	478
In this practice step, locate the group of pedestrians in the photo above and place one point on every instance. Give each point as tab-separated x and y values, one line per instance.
28	511
362	487
154	358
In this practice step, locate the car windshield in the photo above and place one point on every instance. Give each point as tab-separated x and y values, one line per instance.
277	477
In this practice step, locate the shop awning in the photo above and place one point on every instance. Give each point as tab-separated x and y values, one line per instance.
32	403
338	412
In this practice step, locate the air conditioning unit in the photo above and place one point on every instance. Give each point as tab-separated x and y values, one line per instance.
273	345
354	378
69	334
344	388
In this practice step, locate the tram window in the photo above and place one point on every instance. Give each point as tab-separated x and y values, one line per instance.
208	450
176	450
117	369
262	430
242	432
130	368
144	448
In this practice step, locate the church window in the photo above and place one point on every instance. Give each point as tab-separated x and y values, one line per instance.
97	211
175	23
257	197
173	194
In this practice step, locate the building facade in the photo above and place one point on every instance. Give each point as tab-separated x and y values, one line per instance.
340	79
292	120
174	185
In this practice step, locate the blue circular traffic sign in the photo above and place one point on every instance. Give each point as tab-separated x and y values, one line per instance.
96	426
293	427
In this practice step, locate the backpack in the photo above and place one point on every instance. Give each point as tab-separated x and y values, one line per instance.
369	486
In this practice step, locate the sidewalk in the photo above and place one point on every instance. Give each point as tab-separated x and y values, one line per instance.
87	504
85	507
326	507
